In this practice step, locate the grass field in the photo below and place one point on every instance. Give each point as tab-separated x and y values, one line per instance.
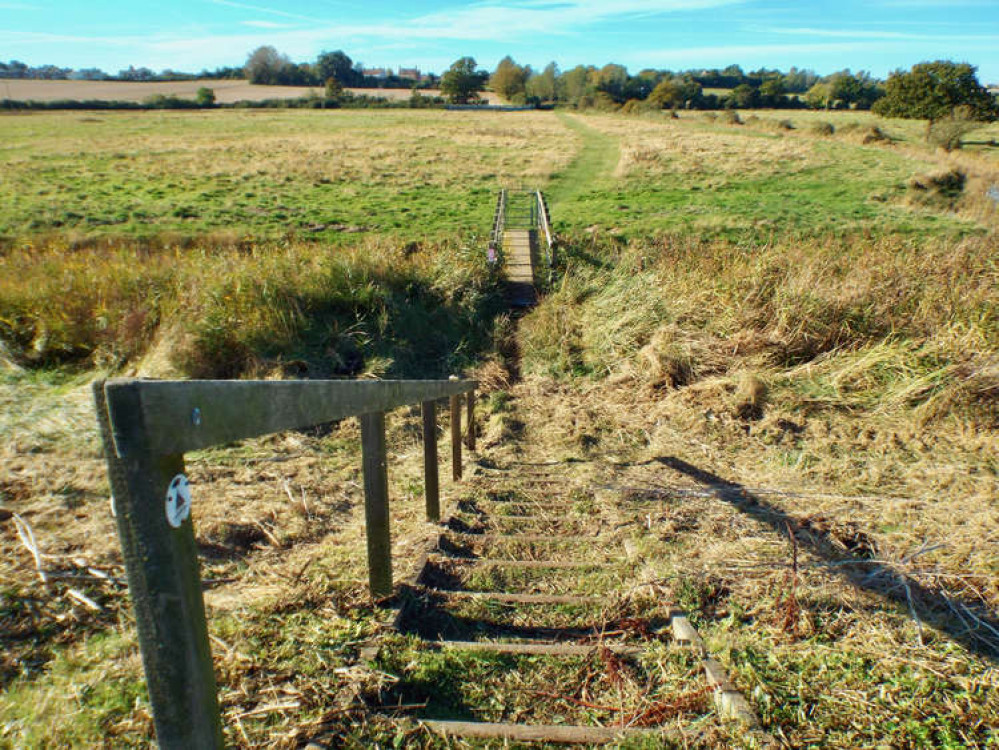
266	174
807	321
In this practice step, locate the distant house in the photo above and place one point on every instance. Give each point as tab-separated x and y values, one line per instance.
375	73
413	74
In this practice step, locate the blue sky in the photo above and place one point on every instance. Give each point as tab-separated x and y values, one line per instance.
874	35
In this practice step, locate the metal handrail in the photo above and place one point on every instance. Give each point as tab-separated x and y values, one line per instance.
546	226
499	220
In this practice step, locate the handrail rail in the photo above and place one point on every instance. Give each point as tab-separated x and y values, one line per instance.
546	225
147	426
499	220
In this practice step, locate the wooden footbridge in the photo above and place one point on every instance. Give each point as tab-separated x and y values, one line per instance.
523	565
521	234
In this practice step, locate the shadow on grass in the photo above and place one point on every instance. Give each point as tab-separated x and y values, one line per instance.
965	621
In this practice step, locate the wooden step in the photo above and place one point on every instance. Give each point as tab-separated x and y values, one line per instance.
487	562
503	596
537	649
553	733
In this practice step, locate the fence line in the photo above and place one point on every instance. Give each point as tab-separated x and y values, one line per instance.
147	426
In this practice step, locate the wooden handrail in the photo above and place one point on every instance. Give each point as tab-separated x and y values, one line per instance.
147	426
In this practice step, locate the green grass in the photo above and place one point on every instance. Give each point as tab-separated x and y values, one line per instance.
591	169
270	174
736	181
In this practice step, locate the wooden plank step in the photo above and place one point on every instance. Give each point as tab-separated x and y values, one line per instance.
503	596
535	538
516	517
566	734
537	649
488	562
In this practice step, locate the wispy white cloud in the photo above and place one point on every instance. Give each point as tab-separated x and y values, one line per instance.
877	34
936	3
266	24
267	11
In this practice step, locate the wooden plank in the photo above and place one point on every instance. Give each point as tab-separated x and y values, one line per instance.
431	480
684	632
456	437
470	420
503	596
161	562
376	506
731	704
522	519
498	563
563	734
537	649
174	417
534	538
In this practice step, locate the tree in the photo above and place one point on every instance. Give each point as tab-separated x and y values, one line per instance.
743	96
935	90
541	86
858	91
819	96
612	79
205	97
462	83
509	80
772	92
574	85
675	93
336	65
265	65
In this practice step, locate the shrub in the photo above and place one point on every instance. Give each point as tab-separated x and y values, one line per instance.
947	132
875	134
205	97
939	189
823	128
731	117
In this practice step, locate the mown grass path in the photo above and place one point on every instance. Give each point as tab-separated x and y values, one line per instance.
593	165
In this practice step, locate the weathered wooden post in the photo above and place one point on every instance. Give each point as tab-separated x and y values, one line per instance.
431	483
470	420
456	437
152	506
376	509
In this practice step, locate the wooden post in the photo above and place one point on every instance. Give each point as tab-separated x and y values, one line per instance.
376	509
456	437
161	562
470	420
431	482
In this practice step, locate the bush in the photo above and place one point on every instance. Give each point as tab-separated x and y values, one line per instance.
784	125
875	134
939	189
731	117
946	133
205	97
822	128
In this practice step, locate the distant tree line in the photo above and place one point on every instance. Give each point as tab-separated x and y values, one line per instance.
15	69
612	86
266	66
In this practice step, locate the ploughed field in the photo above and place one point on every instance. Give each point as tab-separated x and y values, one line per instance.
752	334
